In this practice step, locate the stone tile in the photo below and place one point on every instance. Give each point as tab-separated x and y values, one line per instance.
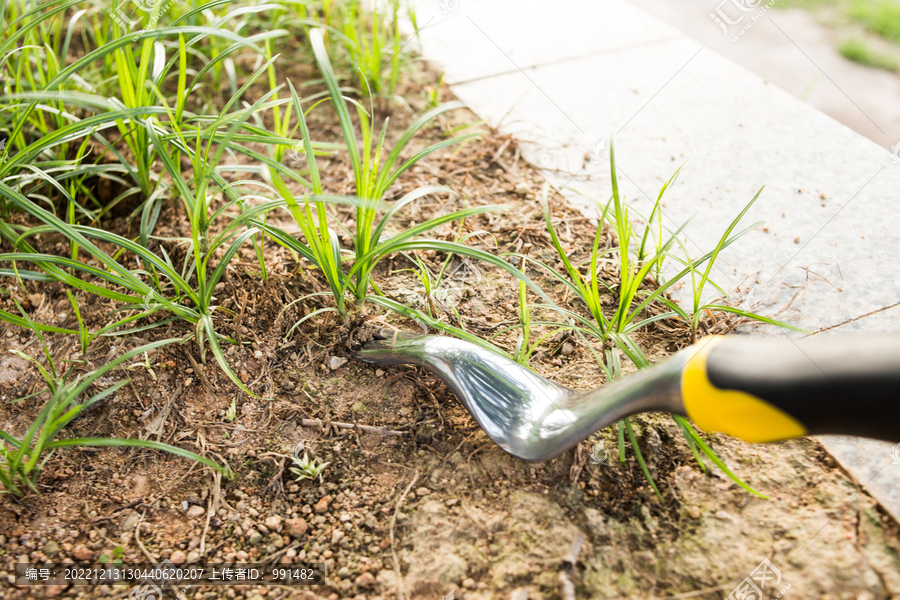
795	51
820	210
480	39
874	464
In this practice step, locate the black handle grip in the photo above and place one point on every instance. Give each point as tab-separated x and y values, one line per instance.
842	384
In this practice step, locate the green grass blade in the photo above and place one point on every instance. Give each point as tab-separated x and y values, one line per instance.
108	442
640	457
718	462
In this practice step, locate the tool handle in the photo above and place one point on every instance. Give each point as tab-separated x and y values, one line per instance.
769	389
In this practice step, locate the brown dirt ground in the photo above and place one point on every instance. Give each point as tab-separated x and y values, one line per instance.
473	520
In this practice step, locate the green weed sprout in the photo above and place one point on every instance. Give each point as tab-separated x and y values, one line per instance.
38	113
375	52
231	413
304	468
374	173
434	286
429	281
22	465
523	343
638	260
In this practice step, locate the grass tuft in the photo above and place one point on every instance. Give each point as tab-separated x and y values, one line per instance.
860	52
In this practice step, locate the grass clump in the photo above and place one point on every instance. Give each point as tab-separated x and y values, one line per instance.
869	29
22	464
146	123
860	52
639	295
375	170
363	39
159	76
881	17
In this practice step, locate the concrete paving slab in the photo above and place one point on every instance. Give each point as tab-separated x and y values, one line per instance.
790	49
473	40
830	205
875	465
831	224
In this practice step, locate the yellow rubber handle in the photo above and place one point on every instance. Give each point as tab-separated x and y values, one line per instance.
732	412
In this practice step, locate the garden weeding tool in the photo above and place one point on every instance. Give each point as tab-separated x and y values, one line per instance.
758	390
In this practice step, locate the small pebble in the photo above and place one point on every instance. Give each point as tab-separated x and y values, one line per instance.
694	512
722	515
296	527
322	505
336	362
195	512
131	521
83	554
